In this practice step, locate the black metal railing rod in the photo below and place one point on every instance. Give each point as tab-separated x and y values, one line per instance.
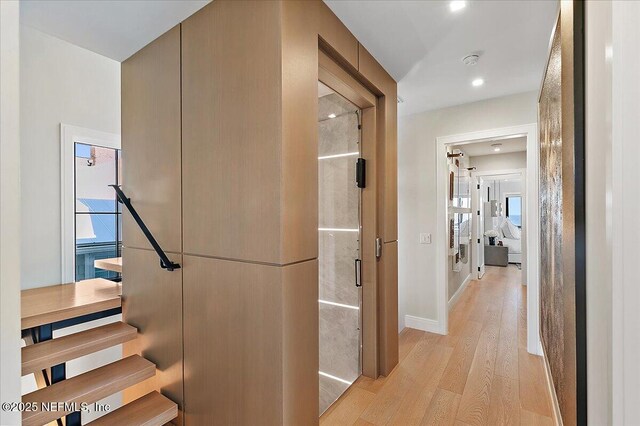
165	262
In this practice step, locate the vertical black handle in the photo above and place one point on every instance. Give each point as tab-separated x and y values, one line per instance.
358	265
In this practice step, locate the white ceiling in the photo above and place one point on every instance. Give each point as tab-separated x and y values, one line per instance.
476	149
422	43
116	29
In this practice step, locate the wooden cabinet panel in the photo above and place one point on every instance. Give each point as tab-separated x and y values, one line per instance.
151	142
300	343
388	307
335	36
151	300
232	131
251	342
382	82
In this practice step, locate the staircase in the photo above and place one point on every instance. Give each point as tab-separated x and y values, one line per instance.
43	310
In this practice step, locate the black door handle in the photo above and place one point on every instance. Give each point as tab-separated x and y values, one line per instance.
358	265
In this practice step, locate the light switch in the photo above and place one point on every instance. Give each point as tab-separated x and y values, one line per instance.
425	238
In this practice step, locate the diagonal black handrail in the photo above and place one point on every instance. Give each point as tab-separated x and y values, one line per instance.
165	263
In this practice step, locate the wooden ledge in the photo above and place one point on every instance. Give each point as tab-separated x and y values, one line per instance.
113	264
46	305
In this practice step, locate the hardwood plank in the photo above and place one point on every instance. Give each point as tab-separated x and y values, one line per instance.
352	404
87	388
153	409
474	406
504	408
507	358
528	418
442	408
56	351
369	384
408	339
417	400
113	264
45	305
533	388
455	376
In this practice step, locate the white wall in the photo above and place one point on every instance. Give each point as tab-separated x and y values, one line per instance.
625	211
417	187
10	204
511	160
598	207
61	83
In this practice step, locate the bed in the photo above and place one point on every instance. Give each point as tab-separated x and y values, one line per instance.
512	239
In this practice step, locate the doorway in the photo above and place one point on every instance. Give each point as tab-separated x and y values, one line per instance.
339	252
347	232
444	144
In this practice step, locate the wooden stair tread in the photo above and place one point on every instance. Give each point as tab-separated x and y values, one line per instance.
87	388
45	305
153	409
113	264
56	351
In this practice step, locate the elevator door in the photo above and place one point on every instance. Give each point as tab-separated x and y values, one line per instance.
339	244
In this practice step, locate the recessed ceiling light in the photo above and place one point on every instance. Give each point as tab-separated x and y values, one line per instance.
331	116
496	147
477	82
457	5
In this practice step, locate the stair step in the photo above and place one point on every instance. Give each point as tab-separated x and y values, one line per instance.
153	409
88	388
46	305
56	351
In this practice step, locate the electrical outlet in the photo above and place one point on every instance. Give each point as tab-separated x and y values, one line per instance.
425	238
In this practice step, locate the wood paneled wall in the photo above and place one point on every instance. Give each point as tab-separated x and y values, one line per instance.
243	191
151	142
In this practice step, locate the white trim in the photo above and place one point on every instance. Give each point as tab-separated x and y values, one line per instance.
424	324
531	218
339	229
458	293
69	135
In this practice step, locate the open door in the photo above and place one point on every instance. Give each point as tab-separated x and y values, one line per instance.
479	227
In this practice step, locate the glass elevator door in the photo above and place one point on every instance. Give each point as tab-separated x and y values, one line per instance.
339	201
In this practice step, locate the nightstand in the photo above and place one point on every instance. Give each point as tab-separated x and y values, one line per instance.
496	255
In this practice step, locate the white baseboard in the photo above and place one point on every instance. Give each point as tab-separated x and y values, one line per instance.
424	324
458	292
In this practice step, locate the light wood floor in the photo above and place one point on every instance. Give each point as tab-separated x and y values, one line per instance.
479	374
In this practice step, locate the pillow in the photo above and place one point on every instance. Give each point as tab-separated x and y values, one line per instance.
510	230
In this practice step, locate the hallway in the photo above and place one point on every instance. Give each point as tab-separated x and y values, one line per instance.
479	374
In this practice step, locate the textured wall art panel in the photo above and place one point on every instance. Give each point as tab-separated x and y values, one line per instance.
558	140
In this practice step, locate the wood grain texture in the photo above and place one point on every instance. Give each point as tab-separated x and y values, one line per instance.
45	305
388	307
442	409
335	35
232	149
151	142
113	264
151	303
300	343
413	393
88	387
62	349
152	409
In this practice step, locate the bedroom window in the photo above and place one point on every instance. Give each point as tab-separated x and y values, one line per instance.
514	210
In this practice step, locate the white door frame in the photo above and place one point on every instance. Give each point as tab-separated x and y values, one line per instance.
69	135
530	131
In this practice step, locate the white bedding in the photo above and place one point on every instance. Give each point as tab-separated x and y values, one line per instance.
514	246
